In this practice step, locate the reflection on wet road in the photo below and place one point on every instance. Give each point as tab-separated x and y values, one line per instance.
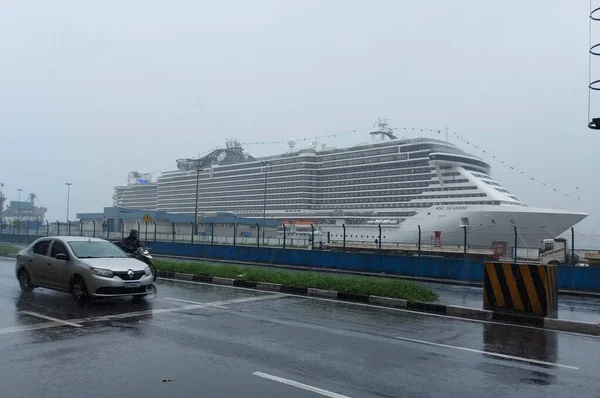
569	307
212	341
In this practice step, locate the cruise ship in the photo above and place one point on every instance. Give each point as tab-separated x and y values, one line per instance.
407	187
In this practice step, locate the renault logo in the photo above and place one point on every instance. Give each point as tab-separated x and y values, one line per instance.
130	273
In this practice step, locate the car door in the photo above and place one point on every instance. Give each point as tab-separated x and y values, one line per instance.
36	265
57	269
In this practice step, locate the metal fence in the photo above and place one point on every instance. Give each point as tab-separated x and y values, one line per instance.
423	243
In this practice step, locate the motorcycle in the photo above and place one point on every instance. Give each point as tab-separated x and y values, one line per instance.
141	254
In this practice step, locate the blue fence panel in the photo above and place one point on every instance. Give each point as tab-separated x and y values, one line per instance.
579	278
18	239
426	267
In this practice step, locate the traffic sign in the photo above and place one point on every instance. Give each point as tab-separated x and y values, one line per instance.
147	218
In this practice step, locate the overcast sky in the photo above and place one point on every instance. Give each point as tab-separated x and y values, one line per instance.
92	90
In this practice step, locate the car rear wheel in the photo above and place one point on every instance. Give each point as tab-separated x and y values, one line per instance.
25	281
79	291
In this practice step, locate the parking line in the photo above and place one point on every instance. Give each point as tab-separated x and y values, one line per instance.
77	322
49	318
493	354
182	308
300	385
193	302
25	328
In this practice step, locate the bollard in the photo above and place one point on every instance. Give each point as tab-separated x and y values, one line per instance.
524	288
283	235
419	247
234	232
258	235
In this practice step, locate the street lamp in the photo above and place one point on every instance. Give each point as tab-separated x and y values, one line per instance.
1	206
68	184
198	170
266	163
19	209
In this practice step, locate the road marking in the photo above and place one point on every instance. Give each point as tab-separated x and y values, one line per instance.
192	302
299	385
77	322
393	309
25	328
493	354
49	318
175	309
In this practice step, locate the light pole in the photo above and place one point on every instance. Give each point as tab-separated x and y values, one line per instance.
1	206
266	163
197	190
68	184
19	209
198	170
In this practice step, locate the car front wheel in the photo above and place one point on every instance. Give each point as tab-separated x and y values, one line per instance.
79	291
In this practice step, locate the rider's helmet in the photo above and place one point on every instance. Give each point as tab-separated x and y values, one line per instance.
133	233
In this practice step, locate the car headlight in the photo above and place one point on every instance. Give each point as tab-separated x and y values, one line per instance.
102	272
148	271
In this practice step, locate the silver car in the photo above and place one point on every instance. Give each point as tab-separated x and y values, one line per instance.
84	267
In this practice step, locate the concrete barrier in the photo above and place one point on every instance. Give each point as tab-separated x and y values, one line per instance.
524	288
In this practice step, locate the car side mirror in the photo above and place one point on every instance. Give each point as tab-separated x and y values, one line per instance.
62	256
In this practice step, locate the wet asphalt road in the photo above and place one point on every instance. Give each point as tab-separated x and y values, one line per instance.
195	340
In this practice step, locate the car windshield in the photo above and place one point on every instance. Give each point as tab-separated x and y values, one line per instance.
96	249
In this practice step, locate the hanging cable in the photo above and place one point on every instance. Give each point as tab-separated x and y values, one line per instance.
508	165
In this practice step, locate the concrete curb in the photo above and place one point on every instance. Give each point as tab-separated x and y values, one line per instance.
432	308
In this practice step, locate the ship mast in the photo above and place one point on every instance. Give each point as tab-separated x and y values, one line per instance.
384	130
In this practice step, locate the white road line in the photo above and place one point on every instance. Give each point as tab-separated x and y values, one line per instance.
395	309
77	322
493	354
175	309
49	318
25	328
192	302
299	385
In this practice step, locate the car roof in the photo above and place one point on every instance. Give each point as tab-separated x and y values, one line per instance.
75	239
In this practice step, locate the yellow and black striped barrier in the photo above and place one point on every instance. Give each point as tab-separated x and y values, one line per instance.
523	288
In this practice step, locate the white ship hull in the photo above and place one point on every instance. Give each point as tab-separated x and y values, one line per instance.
487	225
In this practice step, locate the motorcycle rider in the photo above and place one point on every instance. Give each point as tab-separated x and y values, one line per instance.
132	242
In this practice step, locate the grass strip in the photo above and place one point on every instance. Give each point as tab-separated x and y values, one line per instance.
384	287
7	249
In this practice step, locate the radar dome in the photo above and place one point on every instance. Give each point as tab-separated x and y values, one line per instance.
292	142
